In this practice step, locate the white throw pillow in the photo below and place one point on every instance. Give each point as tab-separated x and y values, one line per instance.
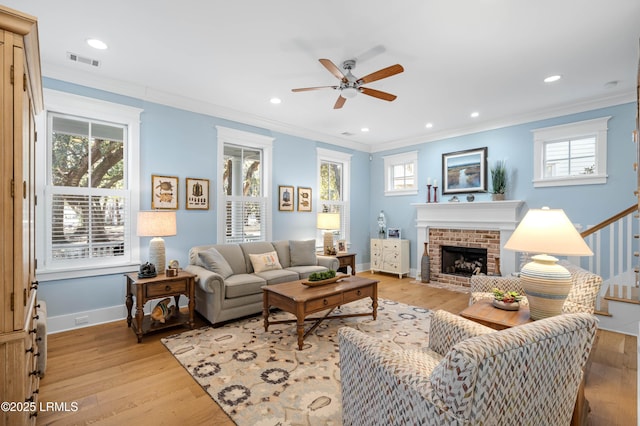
265	261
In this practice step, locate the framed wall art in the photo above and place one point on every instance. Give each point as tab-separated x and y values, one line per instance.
164	192
304	199
464	171
285	198
197	194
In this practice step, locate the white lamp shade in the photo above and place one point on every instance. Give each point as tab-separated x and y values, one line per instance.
548	231
156	223
329	221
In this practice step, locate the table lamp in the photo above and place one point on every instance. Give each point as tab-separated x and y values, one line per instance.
329	222
546	284
157	224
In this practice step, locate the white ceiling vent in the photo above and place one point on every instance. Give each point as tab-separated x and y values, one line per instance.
83	59
347	134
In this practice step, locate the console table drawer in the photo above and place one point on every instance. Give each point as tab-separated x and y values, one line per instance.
164	288
324	303
357	294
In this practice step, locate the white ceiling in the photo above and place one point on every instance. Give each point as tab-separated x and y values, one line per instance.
228	58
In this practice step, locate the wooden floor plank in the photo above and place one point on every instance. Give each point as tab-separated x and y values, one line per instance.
118	381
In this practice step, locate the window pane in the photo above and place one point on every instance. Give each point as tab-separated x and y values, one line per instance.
107	164
244	221
570	158
70	153
85	226
242	173
330	181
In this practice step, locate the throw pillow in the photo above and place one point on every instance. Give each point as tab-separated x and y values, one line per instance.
215	262
303	253
265	261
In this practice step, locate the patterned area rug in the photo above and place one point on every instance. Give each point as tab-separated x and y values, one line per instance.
261	378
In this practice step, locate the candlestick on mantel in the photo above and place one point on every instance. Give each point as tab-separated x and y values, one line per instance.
428	193
435	194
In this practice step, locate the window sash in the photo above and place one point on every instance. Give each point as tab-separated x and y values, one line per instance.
400	174
245	219
572	157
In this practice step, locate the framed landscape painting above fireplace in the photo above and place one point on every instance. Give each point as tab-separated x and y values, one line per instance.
464	171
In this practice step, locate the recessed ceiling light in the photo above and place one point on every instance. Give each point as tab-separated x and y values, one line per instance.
475	114
428	125
97	44
364	129
552	78
275	100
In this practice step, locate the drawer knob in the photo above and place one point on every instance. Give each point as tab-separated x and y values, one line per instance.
325	301
359	292
167	287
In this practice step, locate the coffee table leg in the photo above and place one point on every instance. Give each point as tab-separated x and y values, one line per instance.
265	309
300	329
374	300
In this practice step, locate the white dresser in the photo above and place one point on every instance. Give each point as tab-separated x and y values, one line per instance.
390	255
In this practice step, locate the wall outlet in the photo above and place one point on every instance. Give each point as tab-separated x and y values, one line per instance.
82	320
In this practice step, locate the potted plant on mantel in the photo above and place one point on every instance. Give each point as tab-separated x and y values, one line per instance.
498	180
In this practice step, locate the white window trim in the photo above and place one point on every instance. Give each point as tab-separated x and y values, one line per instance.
392	160
596	126
67	103
344	158
251	140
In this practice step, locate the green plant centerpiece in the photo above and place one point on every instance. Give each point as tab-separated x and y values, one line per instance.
508	300
321	276
499	179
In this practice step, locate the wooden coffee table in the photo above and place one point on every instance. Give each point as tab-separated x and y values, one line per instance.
485	313
301	301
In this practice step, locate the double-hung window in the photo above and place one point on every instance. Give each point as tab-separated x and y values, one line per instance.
89	181
244	174
401	173
334	182
571	154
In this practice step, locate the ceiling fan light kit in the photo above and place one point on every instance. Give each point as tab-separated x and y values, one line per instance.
350	86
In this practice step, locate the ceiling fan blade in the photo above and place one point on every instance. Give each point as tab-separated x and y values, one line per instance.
306	89
378	94
380	74
340	102
333	69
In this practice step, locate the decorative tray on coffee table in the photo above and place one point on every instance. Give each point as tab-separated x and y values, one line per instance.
323	282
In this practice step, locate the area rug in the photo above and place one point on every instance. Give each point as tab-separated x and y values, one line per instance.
261	378
450	287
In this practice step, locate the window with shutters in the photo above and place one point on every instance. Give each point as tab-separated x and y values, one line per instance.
571	154
88	207
334	174
245	177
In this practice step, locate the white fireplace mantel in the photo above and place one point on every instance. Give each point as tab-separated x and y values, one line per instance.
503	216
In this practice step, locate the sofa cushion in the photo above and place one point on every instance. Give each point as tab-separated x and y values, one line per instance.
282	248
265	261
277	276
305	271
303	253
256	247
212	260
243	285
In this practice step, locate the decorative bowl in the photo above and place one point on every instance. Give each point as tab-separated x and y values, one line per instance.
511	306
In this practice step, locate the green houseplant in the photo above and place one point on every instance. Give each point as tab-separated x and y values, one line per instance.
499	180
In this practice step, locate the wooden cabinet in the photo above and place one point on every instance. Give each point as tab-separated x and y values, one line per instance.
21	97
390	255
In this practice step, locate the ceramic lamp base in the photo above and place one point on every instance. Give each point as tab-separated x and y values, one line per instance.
328	243
546	285
157	254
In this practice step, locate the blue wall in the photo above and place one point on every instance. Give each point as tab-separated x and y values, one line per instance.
180	143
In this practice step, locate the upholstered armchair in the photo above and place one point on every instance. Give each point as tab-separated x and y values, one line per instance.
469	374
581	298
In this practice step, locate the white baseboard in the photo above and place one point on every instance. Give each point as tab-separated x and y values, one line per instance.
60	323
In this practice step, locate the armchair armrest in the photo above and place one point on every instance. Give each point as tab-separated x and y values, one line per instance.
447	329
328	262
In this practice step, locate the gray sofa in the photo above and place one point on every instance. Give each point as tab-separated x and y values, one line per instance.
229	287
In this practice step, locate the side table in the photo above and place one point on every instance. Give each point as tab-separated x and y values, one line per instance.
159	287
347	259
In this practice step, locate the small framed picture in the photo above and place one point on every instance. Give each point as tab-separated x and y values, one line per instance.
393	233
342	246
304	199
164	192
285	198
197	194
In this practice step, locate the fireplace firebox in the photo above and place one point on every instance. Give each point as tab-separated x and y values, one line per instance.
463	261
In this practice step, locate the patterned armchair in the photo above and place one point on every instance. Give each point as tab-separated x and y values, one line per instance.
581	298
470	374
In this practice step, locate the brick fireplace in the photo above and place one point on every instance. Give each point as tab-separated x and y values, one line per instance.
483	224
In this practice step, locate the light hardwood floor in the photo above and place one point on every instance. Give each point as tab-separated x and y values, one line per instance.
116	381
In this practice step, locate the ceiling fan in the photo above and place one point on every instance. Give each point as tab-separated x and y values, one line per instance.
350	86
